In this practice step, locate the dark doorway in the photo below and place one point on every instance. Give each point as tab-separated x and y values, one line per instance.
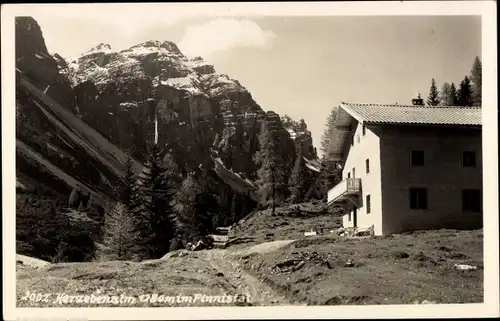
355	217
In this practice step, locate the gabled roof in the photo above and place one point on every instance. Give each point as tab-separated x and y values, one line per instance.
376	114
410	114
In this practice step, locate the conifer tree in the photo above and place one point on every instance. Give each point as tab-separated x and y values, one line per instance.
325	138
128	189
185	207
172	170
155	225
298	179
273	164
446	97
453	94
465	93
330	175
119	232
193	209
433	98
476	78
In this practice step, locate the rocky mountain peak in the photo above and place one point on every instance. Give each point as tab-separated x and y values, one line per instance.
300	134
102	47
29	39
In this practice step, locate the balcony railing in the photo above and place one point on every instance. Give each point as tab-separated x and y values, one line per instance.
348	187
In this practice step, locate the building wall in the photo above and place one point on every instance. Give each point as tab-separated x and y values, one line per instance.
365	147
443	175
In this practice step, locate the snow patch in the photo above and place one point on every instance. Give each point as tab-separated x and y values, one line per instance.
465	267
184	83
100	48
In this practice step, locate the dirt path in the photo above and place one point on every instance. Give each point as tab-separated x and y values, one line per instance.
265	247
226	262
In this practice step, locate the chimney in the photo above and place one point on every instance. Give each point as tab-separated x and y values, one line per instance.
419	101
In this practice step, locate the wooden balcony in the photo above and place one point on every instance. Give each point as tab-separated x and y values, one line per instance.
340	192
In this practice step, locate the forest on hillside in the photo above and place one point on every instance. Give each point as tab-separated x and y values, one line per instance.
165	207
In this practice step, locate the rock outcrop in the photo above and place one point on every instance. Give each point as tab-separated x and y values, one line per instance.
35	61
56	151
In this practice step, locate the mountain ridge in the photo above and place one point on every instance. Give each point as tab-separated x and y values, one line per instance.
205	119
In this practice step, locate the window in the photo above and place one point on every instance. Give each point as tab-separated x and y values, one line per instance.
418	198
364	130
471	200
349	216
469	159
417	158
368	204
354	173
367	164
348	175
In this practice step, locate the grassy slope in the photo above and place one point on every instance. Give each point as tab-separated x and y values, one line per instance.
287	223
381	272
399	269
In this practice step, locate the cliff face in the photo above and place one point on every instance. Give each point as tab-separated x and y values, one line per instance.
301	136
34	60
200	112
55	150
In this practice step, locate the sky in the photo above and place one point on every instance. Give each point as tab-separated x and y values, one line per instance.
301	66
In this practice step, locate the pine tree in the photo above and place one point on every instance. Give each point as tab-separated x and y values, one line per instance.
119	232
127	187
433	98
446	95
185	207
476	78
172	170
206	204
465	93
330	175
453	95
273	163
194	209
327	132
298	179
155	224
